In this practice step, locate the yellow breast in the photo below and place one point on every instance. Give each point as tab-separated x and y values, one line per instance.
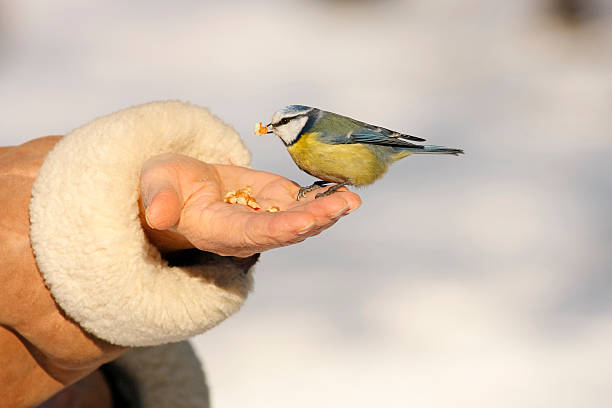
355	164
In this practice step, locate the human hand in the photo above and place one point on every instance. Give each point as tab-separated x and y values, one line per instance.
182	207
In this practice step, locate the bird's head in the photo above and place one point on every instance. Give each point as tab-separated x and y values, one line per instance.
288	122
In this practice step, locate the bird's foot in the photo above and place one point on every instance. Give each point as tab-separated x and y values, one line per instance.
314	186
330	190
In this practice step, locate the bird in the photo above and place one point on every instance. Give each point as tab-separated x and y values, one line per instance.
339	150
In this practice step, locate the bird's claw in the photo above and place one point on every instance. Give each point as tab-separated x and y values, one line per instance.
314	186
331	190
301	193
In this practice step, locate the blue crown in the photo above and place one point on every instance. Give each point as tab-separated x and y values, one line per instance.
294	109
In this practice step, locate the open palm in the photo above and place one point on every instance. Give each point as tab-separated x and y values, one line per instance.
184	207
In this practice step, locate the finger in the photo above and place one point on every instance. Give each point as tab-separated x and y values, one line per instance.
160	193
296	224
165	209
279	229
331	207
353	199
287	227
234	230
325	208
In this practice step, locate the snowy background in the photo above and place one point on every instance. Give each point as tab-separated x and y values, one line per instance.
478	281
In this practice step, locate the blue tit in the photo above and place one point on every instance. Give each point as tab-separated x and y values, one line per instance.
341	150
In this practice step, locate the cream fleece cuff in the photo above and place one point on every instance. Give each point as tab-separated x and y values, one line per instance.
88	241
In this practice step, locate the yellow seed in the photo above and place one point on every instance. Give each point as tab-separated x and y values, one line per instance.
260	129
253	204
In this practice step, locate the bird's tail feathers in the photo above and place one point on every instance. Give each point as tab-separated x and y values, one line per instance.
430	149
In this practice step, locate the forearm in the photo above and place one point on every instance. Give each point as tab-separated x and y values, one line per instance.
41	349
23	382
80	280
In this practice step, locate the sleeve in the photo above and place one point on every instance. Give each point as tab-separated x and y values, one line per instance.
88	242
169	375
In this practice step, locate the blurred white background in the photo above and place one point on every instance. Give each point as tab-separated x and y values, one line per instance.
477	281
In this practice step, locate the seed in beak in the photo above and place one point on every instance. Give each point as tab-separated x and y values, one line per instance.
260	129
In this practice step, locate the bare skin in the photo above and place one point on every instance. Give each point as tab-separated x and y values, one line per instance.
43	352
184	205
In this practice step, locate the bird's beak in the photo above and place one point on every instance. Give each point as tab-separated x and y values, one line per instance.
270	128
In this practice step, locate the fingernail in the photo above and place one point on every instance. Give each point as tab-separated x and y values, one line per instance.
146	199
352	209
340	213
306	229
146	214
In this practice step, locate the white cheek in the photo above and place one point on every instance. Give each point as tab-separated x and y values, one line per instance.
291	130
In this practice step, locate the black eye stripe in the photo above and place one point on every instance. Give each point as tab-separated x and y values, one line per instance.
286	120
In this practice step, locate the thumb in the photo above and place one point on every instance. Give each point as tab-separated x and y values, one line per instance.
164	211
161	198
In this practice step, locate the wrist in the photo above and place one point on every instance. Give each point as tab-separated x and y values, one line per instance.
89	241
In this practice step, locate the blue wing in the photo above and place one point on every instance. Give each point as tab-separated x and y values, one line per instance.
337	129
382	136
